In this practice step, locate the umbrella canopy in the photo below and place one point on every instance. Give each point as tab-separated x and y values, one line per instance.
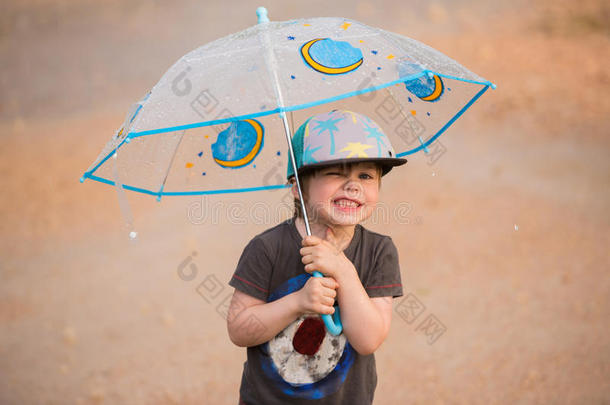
215	122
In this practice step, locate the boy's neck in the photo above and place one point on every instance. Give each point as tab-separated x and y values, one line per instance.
343	233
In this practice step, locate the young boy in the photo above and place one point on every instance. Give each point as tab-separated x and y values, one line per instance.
274	312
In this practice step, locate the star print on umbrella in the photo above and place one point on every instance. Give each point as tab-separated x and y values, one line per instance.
330	126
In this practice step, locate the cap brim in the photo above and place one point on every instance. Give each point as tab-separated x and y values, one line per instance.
386	163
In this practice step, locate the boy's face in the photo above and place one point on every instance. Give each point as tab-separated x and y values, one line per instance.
342	194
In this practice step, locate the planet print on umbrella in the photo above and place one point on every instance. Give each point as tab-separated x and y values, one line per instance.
331	57
239	144
426	87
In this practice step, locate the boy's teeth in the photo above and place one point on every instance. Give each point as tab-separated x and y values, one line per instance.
346	203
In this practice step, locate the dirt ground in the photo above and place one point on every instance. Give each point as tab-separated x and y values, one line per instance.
506	243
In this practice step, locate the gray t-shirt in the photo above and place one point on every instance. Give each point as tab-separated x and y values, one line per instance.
304	363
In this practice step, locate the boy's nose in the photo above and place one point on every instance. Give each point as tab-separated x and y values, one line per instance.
353	187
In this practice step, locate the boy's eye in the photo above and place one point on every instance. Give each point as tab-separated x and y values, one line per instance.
366	176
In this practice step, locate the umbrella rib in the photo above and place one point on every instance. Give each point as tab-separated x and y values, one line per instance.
171	162
404	115
450	66
291	122
387	89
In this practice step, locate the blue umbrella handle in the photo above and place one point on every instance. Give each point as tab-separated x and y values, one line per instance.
333	323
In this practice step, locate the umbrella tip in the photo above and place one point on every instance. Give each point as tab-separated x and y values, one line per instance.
261	13
493	86
82	179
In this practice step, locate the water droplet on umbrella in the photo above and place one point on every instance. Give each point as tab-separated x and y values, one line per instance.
516	227
133	235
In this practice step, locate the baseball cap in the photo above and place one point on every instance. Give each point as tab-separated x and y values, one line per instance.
341	136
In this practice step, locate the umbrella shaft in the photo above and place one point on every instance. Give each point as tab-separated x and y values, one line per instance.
272	67
296	174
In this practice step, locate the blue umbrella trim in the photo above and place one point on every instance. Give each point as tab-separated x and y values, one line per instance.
281	111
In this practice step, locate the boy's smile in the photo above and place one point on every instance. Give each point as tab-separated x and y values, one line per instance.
343	195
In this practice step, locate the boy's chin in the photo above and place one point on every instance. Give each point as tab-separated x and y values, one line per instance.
345	219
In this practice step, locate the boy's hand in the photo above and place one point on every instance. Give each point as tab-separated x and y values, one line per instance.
318	295
323	256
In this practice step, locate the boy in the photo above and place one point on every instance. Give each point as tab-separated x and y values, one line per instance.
292	359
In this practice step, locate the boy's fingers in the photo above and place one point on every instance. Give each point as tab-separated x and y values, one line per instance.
310	240
305	250
330	293
330	283
328	310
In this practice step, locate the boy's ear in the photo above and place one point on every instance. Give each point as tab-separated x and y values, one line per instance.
294	189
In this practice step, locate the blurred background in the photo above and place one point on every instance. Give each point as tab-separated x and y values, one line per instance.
503	246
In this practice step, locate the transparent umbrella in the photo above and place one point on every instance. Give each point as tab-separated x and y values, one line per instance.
221	118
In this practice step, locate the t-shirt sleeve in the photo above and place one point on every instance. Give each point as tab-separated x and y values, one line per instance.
385	279
253	271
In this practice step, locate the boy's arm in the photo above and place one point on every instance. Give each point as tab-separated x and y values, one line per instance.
251	321
366	321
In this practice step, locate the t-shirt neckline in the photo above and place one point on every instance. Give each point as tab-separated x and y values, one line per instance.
347	251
